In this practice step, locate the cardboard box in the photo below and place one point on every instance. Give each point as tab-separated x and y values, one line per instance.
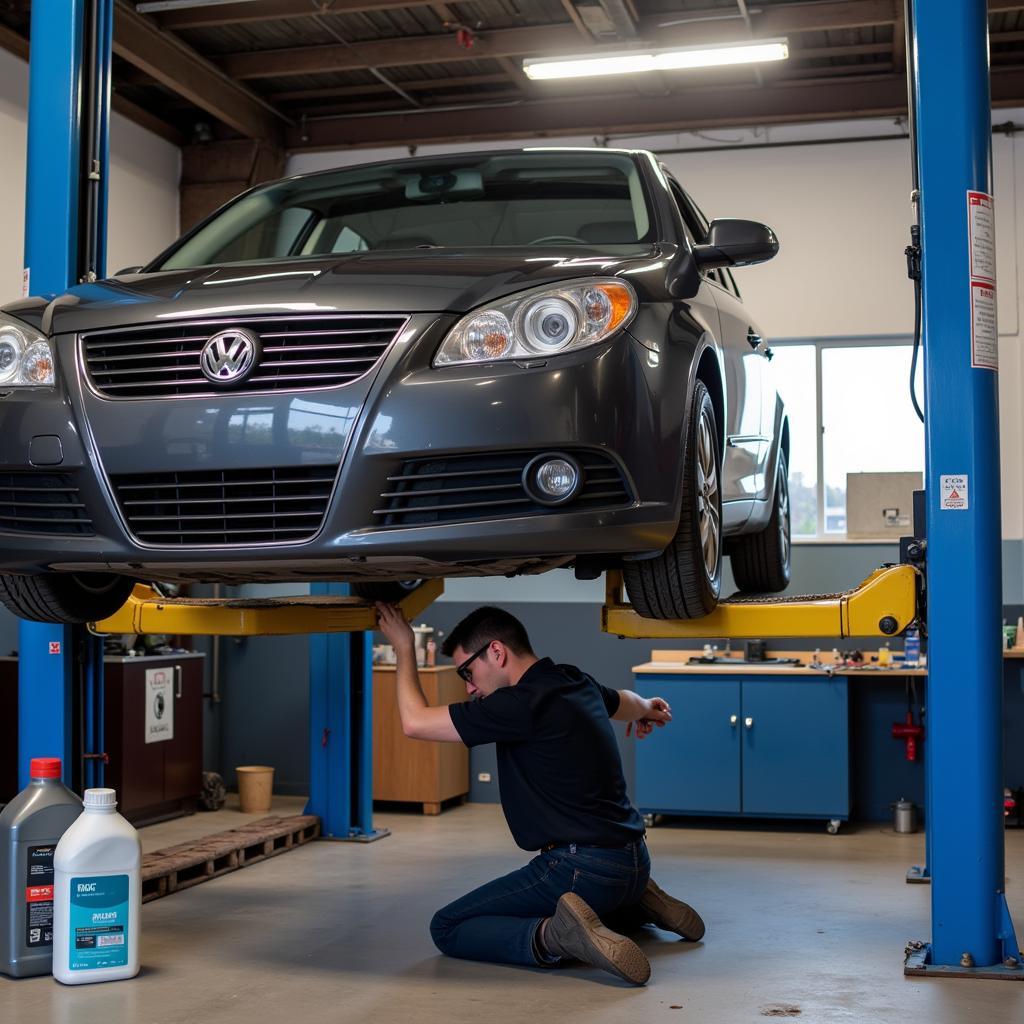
880	506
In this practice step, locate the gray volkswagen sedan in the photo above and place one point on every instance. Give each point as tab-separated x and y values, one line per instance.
494	363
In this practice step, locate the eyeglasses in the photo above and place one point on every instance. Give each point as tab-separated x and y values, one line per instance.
463	670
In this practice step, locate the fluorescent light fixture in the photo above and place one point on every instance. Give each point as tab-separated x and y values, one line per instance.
657	60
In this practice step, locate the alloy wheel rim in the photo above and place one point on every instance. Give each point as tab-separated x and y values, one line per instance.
709	515
784	523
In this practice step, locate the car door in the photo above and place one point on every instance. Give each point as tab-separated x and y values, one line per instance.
745	450
754	432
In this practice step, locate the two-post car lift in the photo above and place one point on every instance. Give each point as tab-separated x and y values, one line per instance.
972	934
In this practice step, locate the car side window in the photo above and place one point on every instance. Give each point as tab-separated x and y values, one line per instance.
697	229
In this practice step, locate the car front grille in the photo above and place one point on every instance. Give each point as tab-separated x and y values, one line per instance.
232	507
46	503
489	486
297	354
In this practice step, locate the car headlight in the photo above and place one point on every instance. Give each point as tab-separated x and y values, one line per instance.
540	323
26	358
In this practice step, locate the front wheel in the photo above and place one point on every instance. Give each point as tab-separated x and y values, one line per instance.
685	580
65	598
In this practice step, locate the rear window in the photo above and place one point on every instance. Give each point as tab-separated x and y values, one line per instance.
519	199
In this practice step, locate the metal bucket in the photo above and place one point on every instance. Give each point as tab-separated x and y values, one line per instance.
904	816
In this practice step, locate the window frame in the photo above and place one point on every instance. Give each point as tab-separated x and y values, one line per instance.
820	345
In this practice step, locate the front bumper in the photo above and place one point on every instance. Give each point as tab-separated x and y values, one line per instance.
611	400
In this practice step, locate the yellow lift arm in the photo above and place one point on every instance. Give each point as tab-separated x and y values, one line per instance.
148	612
885	604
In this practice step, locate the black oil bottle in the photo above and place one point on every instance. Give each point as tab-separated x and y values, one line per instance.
30	826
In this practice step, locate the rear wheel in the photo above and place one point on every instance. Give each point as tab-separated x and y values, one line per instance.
685	580
387	593
761	561
65	598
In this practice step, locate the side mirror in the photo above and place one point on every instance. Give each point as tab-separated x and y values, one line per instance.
736	243
128	270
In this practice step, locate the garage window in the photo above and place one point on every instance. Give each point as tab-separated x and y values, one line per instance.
849	412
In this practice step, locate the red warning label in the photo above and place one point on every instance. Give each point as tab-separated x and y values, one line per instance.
38	893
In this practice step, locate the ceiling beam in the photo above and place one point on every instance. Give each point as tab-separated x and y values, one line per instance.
622	114
274	10
178	67
416	85
547	40
279	10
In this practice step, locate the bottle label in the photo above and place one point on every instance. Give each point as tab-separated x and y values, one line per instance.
98	926
39	896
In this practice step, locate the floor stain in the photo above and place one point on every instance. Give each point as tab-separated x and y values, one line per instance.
780	1010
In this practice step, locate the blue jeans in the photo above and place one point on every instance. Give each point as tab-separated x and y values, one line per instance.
497	922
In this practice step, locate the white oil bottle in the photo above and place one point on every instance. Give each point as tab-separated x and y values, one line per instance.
97	895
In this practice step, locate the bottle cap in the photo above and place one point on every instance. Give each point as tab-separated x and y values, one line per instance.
44	768
100	798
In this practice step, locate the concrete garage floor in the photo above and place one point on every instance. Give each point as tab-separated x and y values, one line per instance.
800	924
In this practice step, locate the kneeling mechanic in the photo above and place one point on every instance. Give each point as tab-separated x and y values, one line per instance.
563	794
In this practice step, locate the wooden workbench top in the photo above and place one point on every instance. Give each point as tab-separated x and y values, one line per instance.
671	663
380	666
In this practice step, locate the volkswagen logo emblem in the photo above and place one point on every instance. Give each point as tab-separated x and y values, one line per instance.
229	357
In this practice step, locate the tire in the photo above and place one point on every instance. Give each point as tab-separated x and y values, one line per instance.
685	580
387	593
69	599
761	561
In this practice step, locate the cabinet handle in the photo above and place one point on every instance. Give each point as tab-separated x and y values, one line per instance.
733	719
748	722
177	681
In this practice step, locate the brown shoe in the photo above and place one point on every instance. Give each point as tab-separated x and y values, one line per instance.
670	914
575	931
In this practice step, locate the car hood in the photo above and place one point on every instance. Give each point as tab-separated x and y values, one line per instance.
422	281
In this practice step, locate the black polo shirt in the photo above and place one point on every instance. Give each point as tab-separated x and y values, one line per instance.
559	770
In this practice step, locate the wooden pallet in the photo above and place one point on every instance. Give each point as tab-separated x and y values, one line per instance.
187	864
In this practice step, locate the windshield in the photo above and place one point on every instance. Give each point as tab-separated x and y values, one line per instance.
517	199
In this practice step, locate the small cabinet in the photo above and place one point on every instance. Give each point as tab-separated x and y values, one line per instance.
153	732
416	771
758	746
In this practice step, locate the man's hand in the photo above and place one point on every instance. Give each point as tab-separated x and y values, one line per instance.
394	627
658	713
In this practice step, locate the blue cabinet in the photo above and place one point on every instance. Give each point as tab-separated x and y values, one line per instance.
769	746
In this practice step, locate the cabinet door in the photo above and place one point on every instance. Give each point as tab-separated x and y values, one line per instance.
134	763
795	747
183	755
692	765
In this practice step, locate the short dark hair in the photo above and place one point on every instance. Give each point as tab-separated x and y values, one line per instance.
479	627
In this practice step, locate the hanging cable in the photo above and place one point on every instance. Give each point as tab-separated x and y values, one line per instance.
913	254
913	251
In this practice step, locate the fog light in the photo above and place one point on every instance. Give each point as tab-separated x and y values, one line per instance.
552	479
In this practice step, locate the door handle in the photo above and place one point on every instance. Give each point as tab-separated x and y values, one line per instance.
748	722
177	681
753	338
733	719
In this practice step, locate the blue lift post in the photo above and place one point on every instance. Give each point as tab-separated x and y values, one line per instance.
341	730
65	240
972	933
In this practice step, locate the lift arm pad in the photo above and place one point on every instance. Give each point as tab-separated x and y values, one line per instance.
147	612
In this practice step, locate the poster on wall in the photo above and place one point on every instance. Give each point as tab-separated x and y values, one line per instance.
159	704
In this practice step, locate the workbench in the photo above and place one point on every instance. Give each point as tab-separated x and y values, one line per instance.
750	739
